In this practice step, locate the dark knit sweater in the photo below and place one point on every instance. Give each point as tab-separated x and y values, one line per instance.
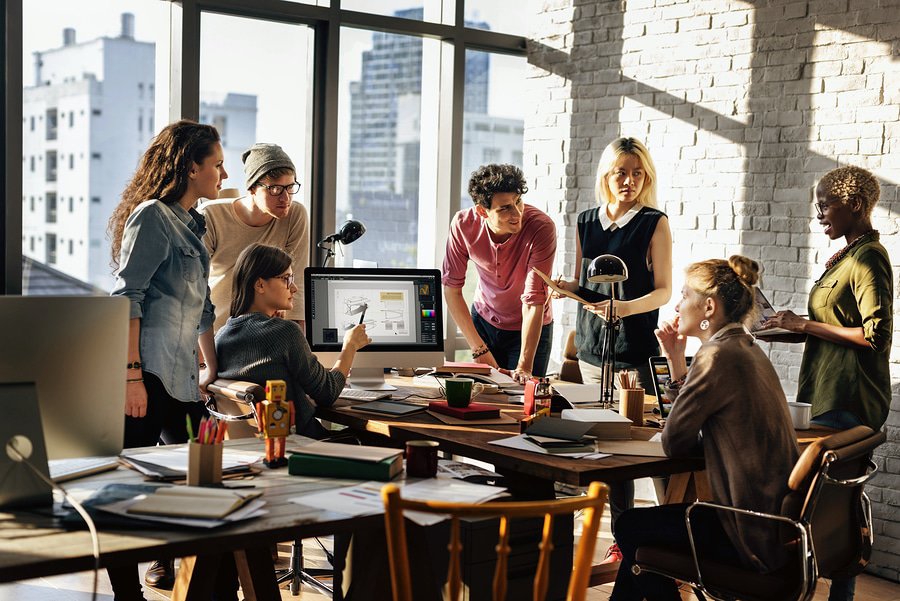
256	348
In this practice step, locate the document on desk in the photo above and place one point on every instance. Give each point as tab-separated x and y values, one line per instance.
365	499
578	394
521	443
164	462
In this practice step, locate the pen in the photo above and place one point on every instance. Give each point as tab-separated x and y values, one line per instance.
363	316
190	429
201	432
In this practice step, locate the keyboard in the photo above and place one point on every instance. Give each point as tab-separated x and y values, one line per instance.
356	394
62	470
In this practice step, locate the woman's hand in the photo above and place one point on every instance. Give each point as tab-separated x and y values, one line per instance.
356	338
620	309
135	399
207	377
671	342
787	320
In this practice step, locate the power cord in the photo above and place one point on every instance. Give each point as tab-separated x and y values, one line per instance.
22	455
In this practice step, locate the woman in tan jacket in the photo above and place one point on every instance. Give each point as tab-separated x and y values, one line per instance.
731	395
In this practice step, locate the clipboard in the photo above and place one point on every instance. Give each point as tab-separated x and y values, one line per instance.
553	286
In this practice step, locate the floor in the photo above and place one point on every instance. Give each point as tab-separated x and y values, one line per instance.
78	587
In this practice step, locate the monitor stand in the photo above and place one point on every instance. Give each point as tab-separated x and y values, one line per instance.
368	378
22	440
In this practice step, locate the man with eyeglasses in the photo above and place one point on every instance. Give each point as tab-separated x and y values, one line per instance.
267	214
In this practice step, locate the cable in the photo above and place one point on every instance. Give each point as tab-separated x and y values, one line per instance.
12	445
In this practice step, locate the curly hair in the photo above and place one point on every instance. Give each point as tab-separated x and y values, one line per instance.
730	281
846	183
607	161
488	180
162	172
255	262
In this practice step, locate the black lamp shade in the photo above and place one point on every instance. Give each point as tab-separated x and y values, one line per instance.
607	269
350	231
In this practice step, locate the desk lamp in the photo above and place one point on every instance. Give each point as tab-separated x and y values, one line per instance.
608	269
349	232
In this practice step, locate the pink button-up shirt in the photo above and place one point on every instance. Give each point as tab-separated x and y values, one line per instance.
505	279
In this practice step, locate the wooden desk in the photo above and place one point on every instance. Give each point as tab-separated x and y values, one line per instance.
33	545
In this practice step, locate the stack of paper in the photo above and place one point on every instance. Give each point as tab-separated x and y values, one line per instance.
171	464
606	423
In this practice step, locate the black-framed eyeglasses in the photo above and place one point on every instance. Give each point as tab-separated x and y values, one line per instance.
278	189
288	279
821	207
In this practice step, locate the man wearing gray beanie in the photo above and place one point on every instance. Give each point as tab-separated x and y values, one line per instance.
268	214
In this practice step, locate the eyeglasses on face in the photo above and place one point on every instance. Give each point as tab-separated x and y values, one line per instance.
821	207
277	189
288	279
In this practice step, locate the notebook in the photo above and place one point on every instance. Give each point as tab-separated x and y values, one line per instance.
659	367
765	310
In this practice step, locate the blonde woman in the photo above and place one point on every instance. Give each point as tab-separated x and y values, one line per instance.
627	224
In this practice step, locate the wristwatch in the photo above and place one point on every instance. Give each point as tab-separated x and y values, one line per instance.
134	365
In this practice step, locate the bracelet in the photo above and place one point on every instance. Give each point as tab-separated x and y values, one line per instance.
135	380
202	365
481	350
134	365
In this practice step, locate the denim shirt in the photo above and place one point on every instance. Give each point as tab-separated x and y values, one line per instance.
163	270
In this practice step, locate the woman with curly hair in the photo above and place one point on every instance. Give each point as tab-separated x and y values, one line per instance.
162	268
845	371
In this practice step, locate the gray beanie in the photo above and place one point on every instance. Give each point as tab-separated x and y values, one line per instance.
259	159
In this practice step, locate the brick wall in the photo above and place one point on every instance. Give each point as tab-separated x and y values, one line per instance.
744	105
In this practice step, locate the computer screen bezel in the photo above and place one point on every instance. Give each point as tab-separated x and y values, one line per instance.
373	272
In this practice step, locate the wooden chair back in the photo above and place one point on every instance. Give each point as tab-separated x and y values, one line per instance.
592	504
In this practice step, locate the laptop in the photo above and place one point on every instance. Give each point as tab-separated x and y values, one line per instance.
765	310
660	370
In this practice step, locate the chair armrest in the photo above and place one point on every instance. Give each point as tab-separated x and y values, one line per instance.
853	482
804	535
246	393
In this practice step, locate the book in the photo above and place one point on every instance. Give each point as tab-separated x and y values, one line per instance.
303	464
464	367
555	287
560	429
605	423
473	411
559	446
193	502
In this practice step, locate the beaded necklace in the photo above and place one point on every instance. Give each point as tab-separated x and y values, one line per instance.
870	235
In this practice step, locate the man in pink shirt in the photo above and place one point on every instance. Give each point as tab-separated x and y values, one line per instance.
511	323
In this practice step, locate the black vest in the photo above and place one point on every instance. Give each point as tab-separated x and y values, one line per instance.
635	342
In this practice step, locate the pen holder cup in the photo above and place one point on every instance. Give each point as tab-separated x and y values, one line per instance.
631	405
204	464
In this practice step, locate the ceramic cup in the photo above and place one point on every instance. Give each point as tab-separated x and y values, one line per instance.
421	458
800	414
460	391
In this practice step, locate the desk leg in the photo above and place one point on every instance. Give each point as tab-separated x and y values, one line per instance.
196	577
687	487
256	571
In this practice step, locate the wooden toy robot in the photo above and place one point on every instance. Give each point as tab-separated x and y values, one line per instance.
275	419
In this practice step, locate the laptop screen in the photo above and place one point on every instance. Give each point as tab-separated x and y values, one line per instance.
660	370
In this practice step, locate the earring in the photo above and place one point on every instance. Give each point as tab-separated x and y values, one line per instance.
704	325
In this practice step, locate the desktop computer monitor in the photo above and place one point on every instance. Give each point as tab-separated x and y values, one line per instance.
62	382
402	310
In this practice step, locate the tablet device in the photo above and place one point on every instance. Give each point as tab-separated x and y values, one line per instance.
764	310
660	370
388	408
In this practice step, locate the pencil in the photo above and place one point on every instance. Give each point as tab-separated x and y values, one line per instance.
363	316
190	429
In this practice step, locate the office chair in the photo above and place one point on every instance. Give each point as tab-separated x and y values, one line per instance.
826	518
401	583
235	401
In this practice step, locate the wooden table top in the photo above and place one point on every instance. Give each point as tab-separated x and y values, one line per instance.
36	544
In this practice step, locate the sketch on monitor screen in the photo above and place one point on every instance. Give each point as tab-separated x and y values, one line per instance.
386	311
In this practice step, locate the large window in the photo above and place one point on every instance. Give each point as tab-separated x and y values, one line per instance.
370	99
89	69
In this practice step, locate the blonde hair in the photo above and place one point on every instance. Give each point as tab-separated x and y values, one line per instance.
851	182
608	159
731	282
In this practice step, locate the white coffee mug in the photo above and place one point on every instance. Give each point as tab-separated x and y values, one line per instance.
800	414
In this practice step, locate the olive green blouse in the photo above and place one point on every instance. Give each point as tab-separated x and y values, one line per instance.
856	292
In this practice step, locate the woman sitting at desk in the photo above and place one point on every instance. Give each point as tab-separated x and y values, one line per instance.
733	395
256	345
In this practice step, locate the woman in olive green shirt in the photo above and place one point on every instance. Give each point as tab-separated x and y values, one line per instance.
845	372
